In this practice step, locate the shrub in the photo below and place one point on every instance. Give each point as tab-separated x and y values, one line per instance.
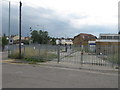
15	55
34	60
33	55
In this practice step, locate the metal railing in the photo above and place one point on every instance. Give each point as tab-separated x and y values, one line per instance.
96	56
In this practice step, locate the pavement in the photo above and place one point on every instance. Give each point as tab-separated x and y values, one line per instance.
39	76
102	69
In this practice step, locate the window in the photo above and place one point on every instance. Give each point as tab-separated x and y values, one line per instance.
109	37
116	37
103	37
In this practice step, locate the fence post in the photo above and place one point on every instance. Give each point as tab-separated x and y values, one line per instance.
8	51
113	56
24	51
81	56
118	55
58	51
39	50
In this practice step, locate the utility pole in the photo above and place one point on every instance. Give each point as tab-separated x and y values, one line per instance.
20	31
9	22
9	31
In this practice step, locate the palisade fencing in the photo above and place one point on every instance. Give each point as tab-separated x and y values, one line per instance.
99	56
108	54
35	51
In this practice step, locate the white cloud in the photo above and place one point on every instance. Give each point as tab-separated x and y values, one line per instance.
98	12
79	14
102	21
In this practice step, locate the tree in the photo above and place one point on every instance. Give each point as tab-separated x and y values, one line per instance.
35	36
4	42
44	37
40	37
53	41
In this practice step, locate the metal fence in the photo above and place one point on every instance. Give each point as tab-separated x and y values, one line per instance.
34	51
103	56
106	56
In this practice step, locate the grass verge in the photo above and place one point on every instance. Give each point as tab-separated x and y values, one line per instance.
32	56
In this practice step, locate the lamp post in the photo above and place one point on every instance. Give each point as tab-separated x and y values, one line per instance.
9	31
20	30
9	22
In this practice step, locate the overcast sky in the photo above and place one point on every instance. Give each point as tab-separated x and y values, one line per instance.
63	18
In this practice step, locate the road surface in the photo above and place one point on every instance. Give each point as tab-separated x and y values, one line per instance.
40	76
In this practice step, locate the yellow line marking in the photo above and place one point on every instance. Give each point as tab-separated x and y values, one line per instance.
10	61
7	61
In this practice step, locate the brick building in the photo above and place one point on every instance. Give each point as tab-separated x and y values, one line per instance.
83	38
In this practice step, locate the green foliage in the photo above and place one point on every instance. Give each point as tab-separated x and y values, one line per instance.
30	59
15	55
26	42
34	55
53	41
35	36
51	56
40	37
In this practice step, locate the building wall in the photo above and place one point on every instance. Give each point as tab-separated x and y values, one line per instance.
107	43
82	39
108	40
107	47
63	42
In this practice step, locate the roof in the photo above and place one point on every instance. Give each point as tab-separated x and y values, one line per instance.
64	38
17	38
109	34
85	34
